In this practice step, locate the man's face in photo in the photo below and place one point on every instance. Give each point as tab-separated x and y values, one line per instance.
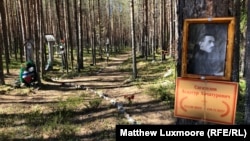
207	43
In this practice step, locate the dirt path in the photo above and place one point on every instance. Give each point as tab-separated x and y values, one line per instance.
111	84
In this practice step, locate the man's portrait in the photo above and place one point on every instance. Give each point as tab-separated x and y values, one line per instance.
206	51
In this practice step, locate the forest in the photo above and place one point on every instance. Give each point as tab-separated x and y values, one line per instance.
90	54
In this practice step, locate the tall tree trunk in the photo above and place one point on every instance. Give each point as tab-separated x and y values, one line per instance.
134	73
16	31
66	36
23	29
9	27
41	66
2	82
154	29
81	40
38	37
109	27
77	24
176	31
93	33
29	18
146	29
70	34
99	30
247	68
163	27
5	35
59	12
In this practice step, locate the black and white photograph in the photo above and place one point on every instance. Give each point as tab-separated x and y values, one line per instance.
207	49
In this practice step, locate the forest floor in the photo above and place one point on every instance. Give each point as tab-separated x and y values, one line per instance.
103	104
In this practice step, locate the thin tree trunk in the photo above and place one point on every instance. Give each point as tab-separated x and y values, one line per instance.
23	27
77	34
5	35
38	37
66	37
81	40
93	34
29	19
134	75
9	27
70	34
99	30
2	82
59	11
146	36
154	29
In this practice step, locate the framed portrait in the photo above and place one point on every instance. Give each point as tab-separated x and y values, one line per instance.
207	48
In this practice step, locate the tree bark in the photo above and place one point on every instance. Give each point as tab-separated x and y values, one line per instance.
5	36
2	82
134	74
247	68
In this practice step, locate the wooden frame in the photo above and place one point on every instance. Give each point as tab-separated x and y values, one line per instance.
194	31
